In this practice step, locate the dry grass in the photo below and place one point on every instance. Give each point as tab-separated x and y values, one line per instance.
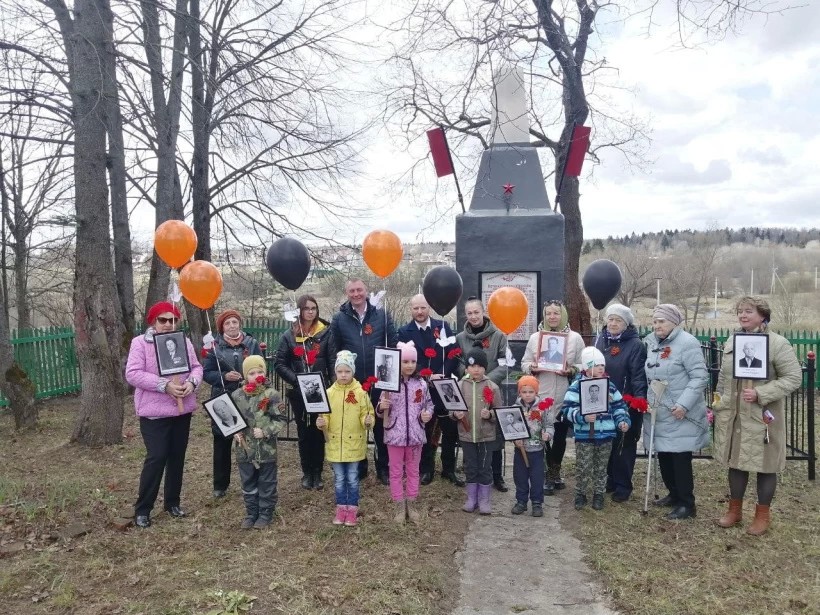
656	567
302	565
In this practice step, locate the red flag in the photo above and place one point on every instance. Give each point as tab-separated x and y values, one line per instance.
440	152
577	150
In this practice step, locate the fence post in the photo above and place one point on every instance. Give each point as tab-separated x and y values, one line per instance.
714	365
811	368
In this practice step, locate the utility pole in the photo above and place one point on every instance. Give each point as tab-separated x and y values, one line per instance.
716	286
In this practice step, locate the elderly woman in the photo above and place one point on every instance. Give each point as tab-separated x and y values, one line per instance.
625	356
304	348
164	407
676	359
554	384
223	371
742	440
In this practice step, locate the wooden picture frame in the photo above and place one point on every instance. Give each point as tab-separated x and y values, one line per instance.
551	355
750	360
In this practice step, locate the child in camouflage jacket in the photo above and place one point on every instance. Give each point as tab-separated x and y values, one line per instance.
255	446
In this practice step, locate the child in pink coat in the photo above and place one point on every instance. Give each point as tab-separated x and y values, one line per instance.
405	414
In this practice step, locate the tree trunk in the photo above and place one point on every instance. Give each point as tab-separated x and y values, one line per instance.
97	315
577	305
21	283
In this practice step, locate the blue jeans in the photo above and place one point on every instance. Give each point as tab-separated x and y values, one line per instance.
346	475
529	481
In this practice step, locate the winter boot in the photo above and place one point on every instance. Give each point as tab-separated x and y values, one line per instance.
352	513
472	495
401	512
341	515
264	519
251	510
412	513
734	515
318	483
761	521
597	501
556	477
484	506
519	508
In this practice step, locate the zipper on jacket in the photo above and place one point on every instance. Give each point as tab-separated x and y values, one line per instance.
406	416
477	415
341	435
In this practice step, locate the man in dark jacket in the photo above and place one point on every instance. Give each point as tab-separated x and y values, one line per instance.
359	327
625	356
425	332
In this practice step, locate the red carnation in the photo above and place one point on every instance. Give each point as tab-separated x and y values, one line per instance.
260	379
637	403
535	415
366	386
263	404
372	379
351	397
418	396
426	372
628	399
368	329
488	395
430	353
299	351
311	356
204	353
250	387
546	403
485	343
455	352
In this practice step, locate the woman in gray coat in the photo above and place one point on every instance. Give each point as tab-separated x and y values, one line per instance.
675	357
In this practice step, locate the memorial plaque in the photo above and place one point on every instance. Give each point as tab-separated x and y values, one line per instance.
527	283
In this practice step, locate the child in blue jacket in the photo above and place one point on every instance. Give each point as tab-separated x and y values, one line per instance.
594	433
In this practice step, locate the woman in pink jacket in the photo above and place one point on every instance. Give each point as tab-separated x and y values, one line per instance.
164	406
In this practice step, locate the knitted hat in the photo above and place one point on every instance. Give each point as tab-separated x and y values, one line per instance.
346	358
160	308
220	320
590	357
408	351
668	312
476	356
252	361
622	312
527	381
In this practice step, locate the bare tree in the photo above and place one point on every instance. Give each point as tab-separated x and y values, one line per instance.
638	265
14	381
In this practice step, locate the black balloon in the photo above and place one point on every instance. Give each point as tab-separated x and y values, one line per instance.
442	287
602	281
288	261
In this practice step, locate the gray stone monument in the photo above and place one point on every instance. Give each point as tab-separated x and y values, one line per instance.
510	236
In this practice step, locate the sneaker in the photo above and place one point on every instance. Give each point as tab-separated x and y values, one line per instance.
519	508
580	501
537	510
598	501
341	515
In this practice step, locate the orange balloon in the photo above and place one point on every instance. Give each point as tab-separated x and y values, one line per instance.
201	284
507	308
175	243
382	252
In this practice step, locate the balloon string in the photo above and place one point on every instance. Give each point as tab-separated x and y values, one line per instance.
216	356
384	307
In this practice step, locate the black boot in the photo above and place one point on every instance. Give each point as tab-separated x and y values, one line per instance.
318	483
264	518
500	485
556	477
251	510
453	478
307	481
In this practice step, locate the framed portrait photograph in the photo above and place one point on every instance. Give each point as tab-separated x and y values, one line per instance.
387	363
594	396
512	423
751	356
552	351
449	394
172	353
225	414
314	393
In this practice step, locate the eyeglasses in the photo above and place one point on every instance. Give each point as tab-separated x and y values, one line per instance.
164	321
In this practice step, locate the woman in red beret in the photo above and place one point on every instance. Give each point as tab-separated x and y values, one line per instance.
223	371
164	406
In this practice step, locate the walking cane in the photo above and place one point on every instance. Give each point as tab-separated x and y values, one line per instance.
658	387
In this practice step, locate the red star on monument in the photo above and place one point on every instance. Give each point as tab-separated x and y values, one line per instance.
508	188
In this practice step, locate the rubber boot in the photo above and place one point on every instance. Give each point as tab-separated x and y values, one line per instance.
484	506
472	495
251	510
761	521
341	515
401	512
412	513
351	519
318	483
733	516
264	519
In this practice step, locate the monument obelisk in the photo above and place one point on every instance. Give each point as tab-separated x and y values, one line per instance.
510	235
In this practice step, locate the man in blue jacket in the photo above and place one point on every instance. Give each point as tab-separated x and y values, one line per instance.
359	327
425	332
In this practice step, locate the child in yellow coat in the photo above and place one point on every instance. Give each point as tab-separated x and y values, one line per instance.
345	430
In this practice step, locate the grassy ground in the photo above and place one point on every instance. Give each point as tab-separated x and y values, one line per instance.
302	565
651	566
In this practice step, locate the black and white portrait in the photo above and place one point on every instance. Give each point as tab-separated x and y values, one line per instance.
594	395
225	414
387	362
314	392
751	352
512	423
172	353
450	395
552	351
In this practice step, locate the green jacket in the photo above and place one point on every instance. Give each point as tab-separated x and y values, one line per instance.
263	409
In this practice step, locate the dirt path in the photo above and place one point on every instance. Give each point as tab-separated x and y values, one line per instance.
520	564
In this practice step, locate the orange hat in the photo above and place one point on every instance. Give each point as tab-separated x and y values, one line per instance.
527	381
